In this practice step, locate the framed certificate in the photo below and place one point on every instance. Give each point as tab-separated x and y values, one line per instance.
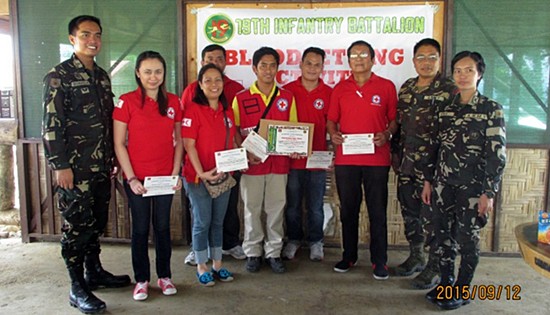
286	140
286	145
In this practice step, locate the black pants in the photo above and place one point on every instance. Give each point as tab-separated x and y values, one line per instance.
146	211
85	209
374	180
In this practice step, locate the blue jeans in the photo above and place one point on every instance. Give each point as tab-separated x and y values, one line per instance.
142	208
312	186
208	215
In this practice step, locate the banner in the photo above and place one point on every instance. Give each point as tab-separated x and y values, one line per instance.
391	30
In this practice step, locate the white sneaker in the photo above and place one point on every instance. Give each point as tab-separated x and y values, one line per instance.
190	259
236	252
290	250
141	291
316	251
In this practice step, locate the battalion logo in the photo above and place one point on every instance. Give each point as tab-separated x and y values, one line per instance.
219	28
319	104
282	104
119	103
186	122
170	112
376	100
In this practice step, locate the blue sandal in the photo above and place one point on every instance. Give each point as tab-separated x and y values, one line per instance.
222	274
206	279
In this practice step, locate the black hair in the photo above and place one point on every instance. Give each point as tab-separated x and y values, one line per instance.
162	97
478	59
315	50
75	22
361	42
263	51
212	47
200	97
427	42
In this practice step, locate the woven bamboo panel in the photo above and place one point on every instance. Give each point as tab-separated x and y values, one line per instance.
523	193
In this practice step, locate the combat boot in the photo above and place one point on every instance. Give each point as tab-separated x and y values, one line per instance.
462	287
429	277
414	263
80	296
97	277
446	281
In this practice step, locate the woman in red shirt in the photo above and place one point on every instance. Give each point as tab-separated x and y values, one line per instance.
150	118
208	127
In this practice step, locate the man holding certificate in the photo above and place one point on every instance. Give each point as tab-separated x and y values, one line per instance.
312	101
362	112
263	184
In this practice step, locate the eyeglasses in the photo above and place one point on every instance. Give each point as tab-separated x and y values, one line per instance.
362	55
430	58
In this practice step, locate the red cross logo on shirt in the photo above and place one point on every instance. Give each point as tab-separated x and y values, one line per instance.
319	103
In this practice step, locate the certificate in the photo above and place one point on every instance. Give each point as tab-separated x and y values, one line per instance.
361	143
231	160
256	145
160	185
286	140
319	159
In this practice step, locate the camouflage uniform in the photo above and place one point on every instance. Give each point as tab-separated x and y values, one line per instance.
470	161
77	134
416	111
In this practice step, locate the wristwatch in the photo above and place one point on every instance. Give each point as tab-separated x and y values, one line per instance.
390	134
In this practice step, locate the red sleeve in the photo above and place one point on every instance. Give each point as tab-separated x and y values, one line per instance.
122	109
187	95
190	124
334	107
175	103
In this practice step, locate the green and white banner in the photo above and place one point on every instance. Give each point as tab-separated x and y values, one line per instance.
391	30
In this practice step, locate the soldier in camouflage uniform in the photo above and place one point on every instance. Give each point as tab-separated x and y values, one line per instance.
77	136
469	162
419	99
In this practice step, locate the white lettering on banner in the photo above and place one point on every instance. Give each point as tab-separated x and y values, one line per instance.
391	30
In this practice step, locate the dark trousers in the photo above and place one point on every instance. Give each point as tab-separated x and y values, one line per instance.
85	209
374	180
143	209
232	222
457	222
417	216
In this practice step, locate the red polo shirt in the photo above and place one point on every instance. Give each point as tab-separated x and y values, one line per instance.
248	106
207	127
312	107
230	89
366	109
150	135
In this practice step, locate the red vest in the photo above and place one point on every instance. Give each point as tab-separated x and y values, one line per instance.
251	108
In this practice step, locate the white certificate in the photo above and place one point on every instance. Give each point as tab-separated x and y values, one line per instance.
160	185
231	160
256	145
319	159
361	143
286	140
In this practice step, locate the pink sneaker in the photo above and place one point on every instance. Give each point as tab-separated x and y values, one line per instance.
167	286
141	291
